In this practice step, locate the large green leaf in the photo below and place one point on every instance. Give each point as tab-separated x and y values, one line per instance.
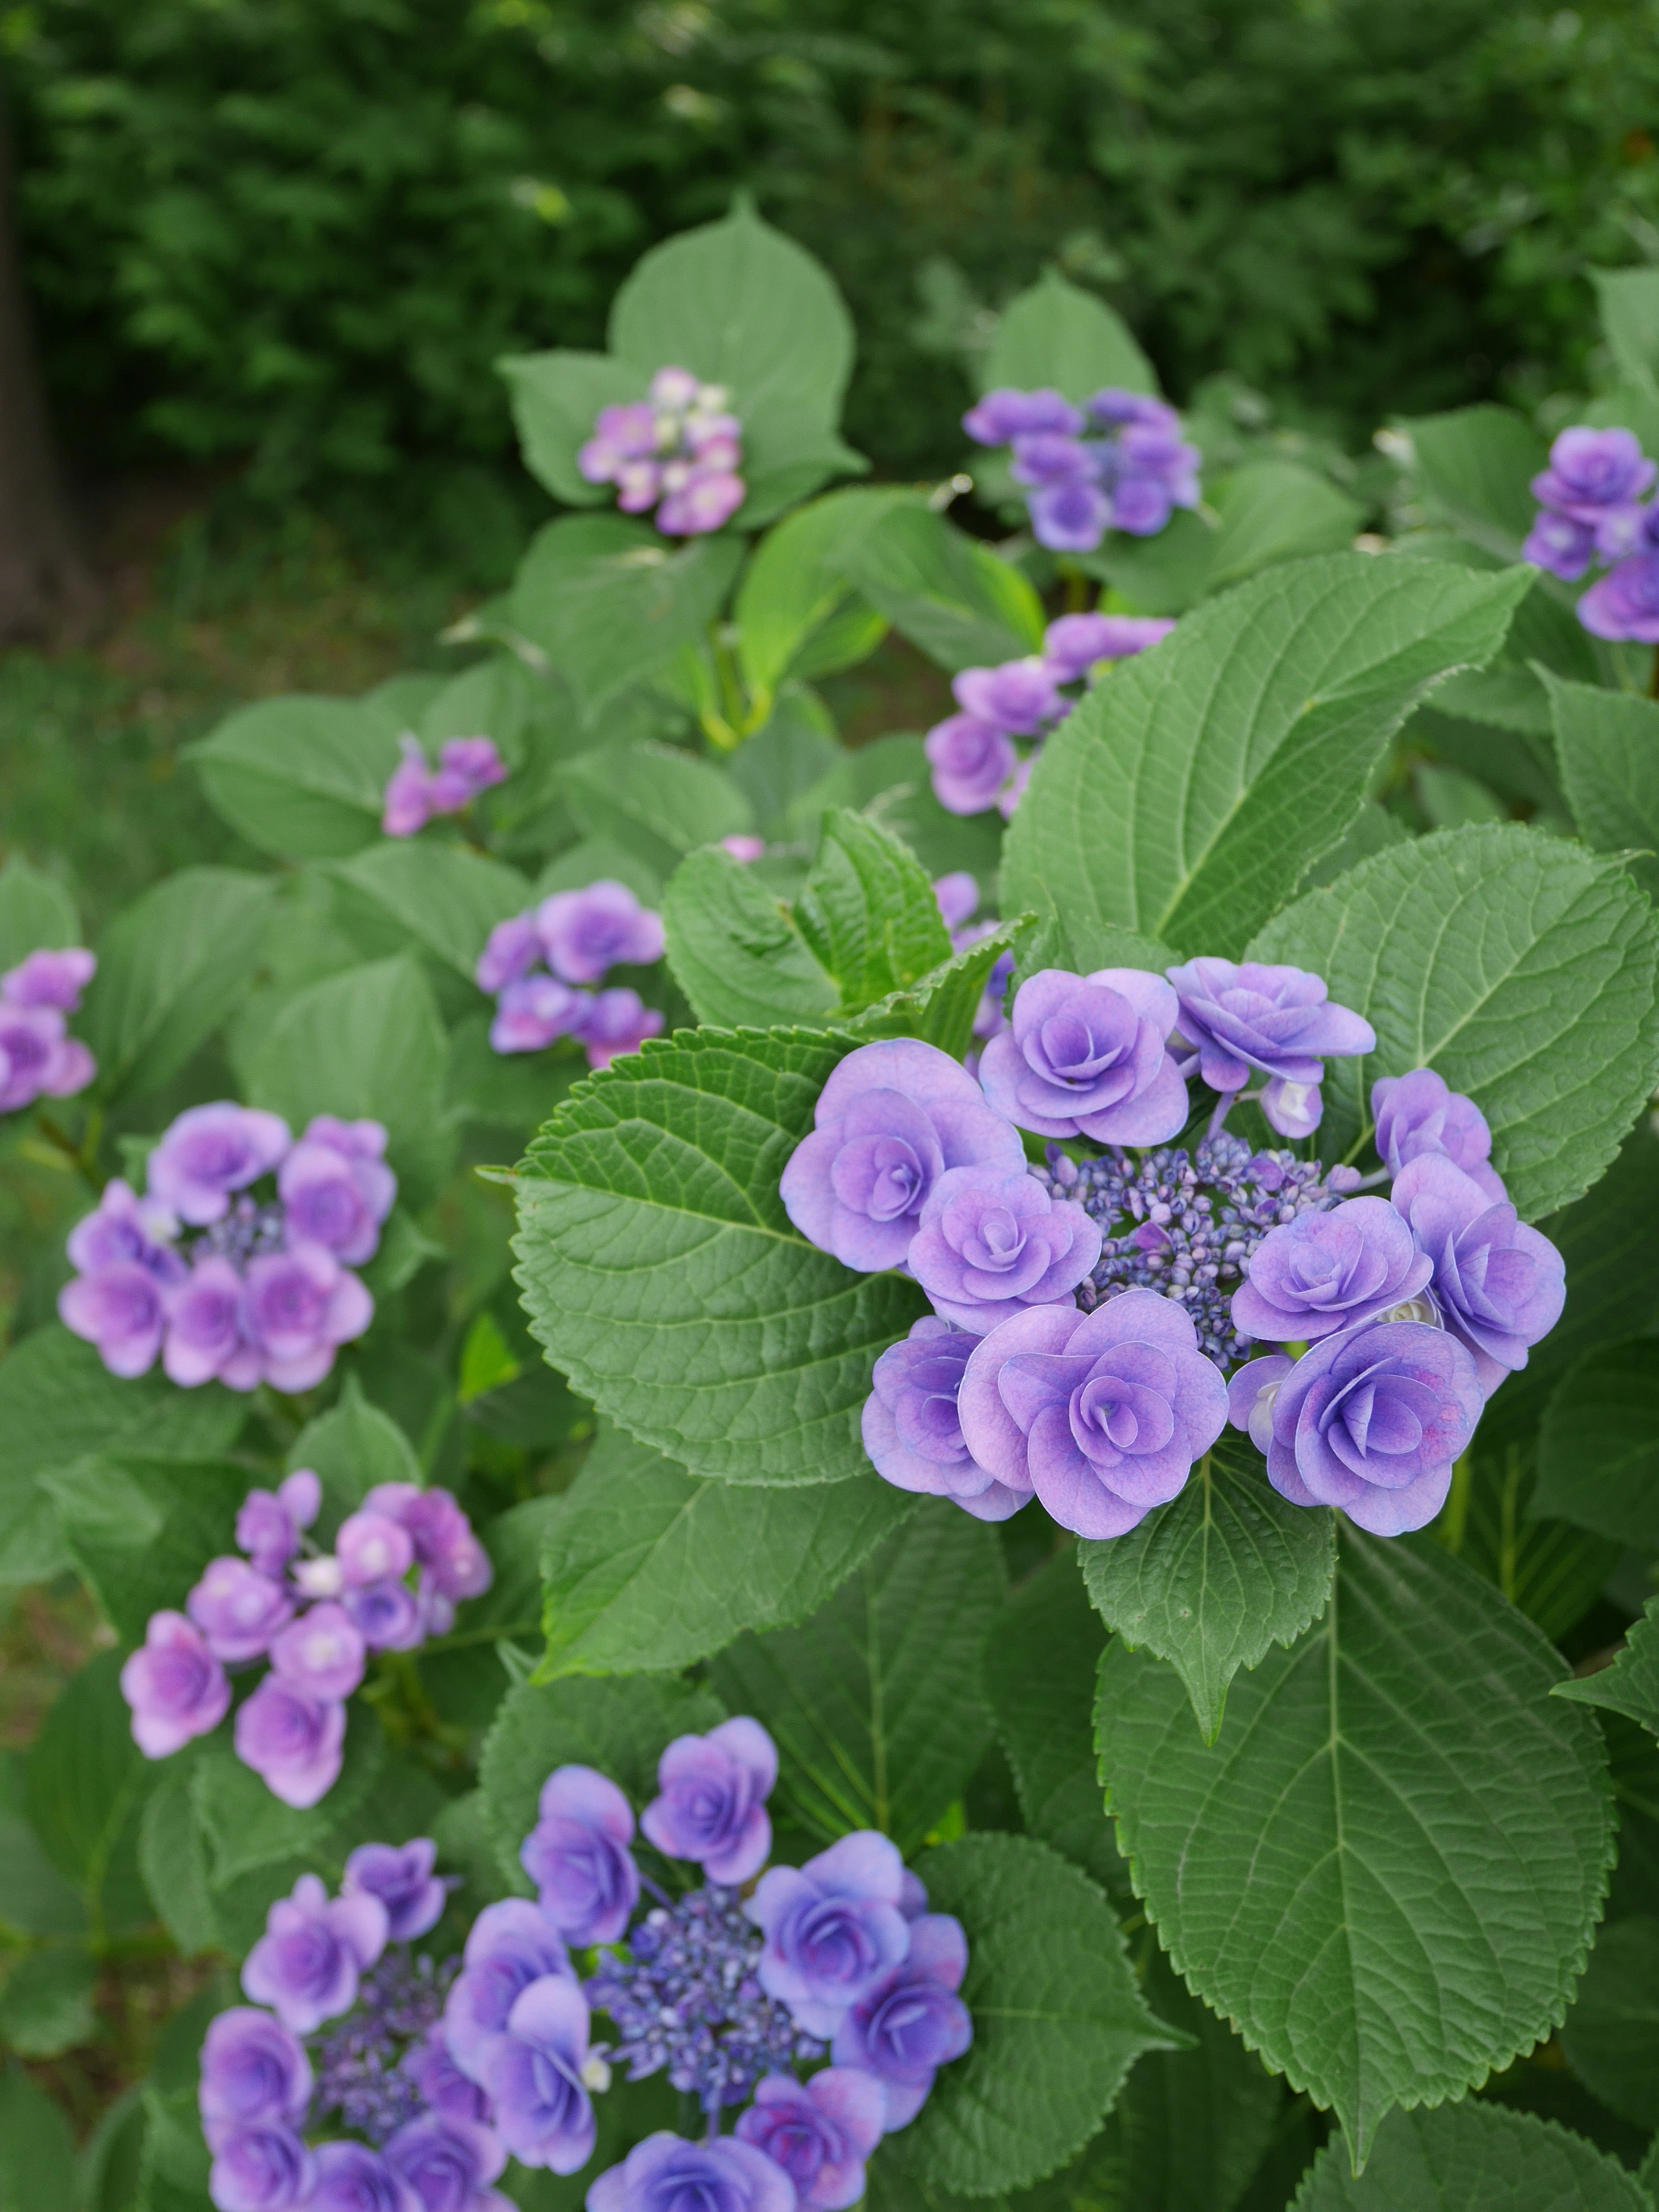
1631	1684
1264	512
1211	1581
1040	1677
35	910
1057	2019
1612	2035
171	968
1474	467
556	397
247	1827
1056	334
140	1530
1189	792
1519	967
446	897
661	1272
961	603
1608	745
303	778
647	1568
866	912
735	950
621	1727
1387	1872
876	1703
796	581
1598	1451
1477	2158
368	1042
86	1782
655	801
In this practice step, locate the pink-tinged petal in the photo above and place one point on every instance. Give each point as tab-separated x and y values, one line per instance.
904	2100
854	2100
996	1502
863	1864
359	1920
938	1948
552	2013
747	1853
582	1793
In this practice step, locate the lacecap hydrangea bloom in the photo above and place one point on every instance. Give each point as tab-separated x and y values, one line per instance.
1094	1318
678	451
579	935
39	1058
399	1565
1595	506
236	1264
1116	462
416	791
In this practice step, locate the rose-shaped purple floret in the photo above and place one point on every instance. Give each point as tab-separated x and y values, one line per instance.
1557	543
50	976
306	1964
1499	1284
254	2072
534	1011
371	1547
511	950
238	1609
442	1536
1371	1421
337	1188
820	2132
1017	697
969	762
1071	518
1276	1021
121	1309
511	1945
322	1653
175	1687
891	1120
124	1227
1050	457
1416	1114
292	1740
261	2169
441	2081
1592	469
911	1427
387	1615
1623	604
352	2177
991	1243
617	1021
1102	1416
209	1151
449	2163
401	1876
586	931
267	1524
1329	1271
578	1856
467	766
833	1928
665	2173
712	1805
39	1058
1073	643
533	2075
1005	414
207	1336
301	1305
1086	1055
912	2022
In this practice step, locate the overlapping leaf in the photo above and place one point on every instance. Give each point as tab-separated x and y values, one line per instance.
961	603
1598	1451
735	950
1631	1684
1608	745
655	801
1612	2035
1478	2157
35	909
301	778
446	897
1056	333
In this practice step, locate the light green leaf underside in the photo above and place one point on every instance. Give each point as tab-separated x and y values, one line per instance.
1519	966
1387	1872
1472	2158
301	778
661	1272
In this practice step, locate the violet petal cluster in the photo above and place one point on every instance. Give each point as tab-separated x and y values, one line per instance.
911	2021
1117	462
1329	1271
912	1429
712	1802
1088	1056
1240	1018
1499	1286
833	1928
665	2173
1591	508
678	451
39	1058
1416	1114
416	791
820	2131
305	1966
578	1856
579	935
991	1244
516	2024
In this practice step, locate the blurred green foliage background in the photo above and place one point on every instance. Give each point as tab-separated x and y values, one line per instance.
302	231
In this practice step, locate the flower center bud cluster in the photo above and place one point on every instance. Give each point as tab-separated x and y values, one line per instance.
1116	462
537	966
678	451
39	1058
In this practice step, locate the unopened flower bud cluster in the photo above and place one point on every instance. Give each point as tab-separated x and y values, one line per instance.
539	966
678	451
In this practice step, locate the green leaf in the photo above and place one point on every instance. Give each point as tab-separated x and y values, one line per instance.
1040	1675
867	914
586	862
734	950
140	1530
941	1008
173	1855
37	2154
35	910
1516	965
1474	467
795	582
301	778
1188	792
1598	1451
655	801
1212	1581
1264	512
35	1898
86	1782
1611	2036
1373	829
876	1702
1552	1571
662	1274
447	897
1628	302
889	782
609	604
247	1827
1055	333
1192	2124
790	751
349	1448
961	603
1608	745
647	1568
1387	1872
46	2004
621	1725
1057	2019
171	968
1631	1685
1479	2158
557	397
366	1043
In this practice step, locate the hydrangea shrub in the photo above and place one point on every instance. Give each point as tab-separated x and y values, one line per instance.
915	1475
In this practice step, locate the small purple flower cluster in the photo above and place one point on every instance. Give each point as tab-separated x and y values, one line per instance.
223	1284
384	2072
971	754
417	792
578	934
1590	509
1118	462
314	1616
679	447
39	1058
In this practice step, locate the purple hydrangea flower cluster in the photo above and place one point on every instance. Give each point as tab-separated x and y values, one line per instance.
271	2077
39	1058
1117	462
971	755
315	1617
224	1283
678	451
1591	509
579	935
417	792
